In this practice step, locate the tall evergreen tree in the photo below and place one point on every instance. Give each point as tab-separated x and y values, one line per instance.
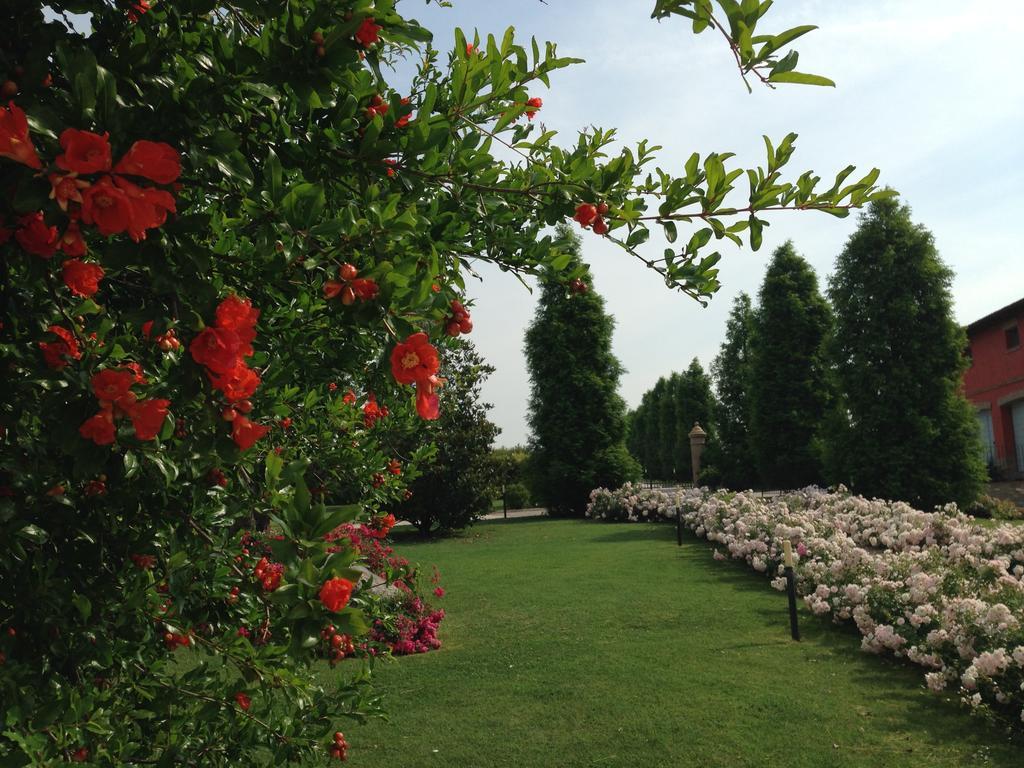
908	432
731	370
790	391
577	418
668	440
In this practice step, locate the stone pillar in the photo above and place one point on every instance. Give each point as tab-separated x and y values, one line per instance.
697	439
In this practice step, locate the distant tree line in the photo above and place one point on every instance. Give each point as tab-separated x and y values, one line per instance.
861	388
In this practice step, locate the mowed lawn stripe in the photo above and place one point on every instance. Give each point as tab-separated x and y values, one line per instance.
570	643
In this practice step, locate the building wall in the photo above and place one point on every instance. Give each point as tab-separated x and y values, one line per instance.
995	380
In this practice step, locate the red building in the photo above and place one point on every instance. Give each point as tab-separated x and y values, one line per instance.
994	383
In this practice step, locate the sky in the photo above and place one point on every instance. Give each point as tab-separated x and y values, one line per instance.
927	91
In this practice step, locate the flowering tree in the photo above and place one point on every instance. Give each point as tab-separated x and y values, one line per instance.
226	244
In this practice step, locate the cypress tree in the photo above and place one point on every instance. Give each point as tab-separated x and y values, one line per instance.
668	443
908	432
576	416
731	370
790	391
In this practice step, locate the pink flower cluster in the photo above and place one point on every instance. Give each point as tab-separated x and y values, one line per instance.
931	587
412	632
405	623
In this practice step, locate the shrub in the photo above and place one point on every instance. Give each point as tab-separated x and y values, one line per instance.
517	496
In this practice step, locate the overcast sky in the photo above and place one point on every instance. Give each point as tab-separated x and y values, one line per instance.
928	91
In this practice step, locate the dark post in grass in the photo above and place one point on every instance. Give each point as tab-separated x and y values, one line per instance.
787	553
679	526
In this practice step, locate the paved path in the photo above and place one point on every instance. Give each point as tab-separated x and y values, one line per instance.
533	512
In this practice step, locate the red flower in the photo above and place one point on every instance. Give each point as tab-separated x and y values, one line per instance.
35	237
238	315
149	207
349	397
143	562
332	288
73	244
136	371
365	288
107	207
415	359
14	139
335	593
237	384
216	348
152	160
428	406
245	433
99	428
82	278
367	35
84	151
243	701
66	189
404	119
111	385
439	591
56	352
148	417
585	214
532	106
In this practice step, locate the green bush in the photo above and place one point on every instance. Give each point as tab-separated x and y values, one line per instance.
998	509
517	496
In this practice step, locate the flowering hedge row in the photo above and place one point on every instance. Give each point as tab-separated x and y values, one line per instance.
931	587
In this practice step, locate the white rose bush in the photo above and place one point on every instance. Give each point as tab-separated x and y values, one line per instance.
934	588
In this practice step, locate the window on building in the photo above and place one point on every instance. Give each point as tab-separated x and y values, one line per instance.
1012	337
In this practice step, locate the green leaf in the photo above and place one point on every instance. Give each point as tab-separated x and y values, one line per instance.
235	167
303	205
799	77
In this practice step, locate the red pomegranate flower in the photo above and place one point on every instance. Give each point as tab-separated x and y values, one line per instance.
149	207
112	384
216	348
148	417
243	701
72	242
35	237
66	189
585	214
238	315
415	359
335	593
367	35
245	433
108	207
428	406
14	139
99	428
56	353
82	278
237	384
151	160
533	106
84	151
366	289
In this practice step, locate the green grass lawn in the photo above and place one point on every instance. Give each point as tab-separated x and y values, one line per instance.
570	643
